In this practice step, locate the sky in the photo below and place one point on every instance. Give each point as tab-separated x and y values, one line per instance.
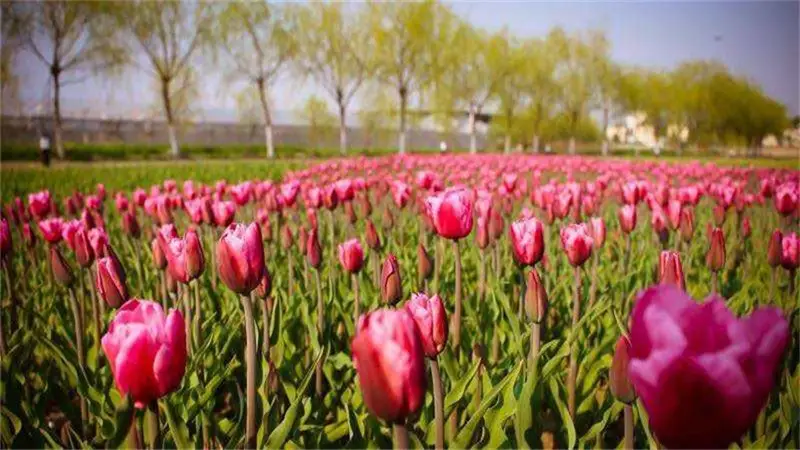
759	40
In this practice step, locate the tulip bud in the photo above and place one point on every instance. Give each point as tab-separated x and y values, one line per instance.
670	269
351	256
496	224
5	240
302	238
286	237
715	258
687	224
598	231
313	250
240	257
746	228
348	210
159	260
265	285
130	225
719	215
424	263
391	283
373	240
618	380
535	297
527	241
110	282
194	259
388	219
577	243
61	270
482	234
83	250
627	218
774	250
431	320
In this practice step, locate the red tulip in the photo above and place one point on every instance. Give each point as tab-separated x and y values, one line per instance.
159	260
687	224
424	267
330	199
121	202
390	362
400	193
60	268
39	204
775	249
240	257
5	240
618	380
344	190
84	253
598	232
146	350
670	269
674	208
185	260
627	218
373	240
527	241
313	250
223	212
351	256
577	243
391	284
451	213
535	297
786	199
702	374
98	240
110	282
130	225
265	285
715	258
431	320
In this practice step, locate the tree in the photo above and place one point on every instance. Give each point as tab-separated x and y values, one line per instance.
258	39
169	34
11	42
318	118
539	85
606	79
575	77
509	90
406	35
74	39
334	50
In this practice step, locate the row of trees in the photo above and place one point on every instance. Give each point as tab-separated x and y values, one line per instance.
405	59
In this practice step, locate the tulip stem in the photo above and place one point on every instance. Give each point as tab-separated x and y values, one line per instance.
627	252
291	272
164	296
593	286
198	316
250	361
95	306
76	315
536	333
573	357
357	302
628	413
320	328
772	285
153	428
265	310
12	297
714	283
189	325
137	247
457	318
400	437
482	277
438	403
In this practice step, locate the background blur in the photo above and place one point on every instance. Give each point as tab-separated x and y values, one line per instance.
157	80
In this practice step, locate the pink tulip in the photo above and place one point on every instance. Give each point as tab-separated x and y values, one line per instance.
121	202
110	282
451	213
786	199
98	240
674	208
146	350
185	261
51	229
627	218
431	320
39	204
702	374
139	196
344	190
527	241
351	256
598	231
790	251
390	363
400	193
5	240
577	243
223	213
240	257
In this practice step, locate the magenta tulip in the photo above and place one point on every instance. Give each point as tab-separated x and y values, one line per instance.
451	213
527	241
240	257
431	320
351	256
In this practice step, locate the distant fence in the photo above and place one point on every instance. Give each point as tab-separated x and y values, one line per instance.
27	130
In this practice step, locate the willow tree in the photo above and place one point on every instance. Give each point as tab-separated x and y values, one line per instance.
334	49
406	35
510	89
257	40
74	40
11	42
539	85
169	35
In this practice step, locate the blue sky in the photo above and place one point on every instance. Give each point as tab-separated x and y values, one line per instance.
758	40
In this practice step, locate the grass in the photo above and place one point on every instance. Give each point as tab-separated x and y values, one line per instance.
65	178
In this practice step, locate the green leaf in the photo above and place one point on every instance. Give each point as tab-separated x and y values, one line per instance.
464	437
459	388
123	422
180	433
562	410
281	433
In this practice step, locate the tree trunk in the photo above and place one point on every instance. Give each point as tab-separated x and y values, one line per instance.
572	145
535	143
473	144
403	103
173	139
342	128
57	141
605	129
262	96
507	144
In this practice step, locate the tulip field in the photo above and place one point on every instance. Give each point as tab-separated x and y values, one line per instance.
448	301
